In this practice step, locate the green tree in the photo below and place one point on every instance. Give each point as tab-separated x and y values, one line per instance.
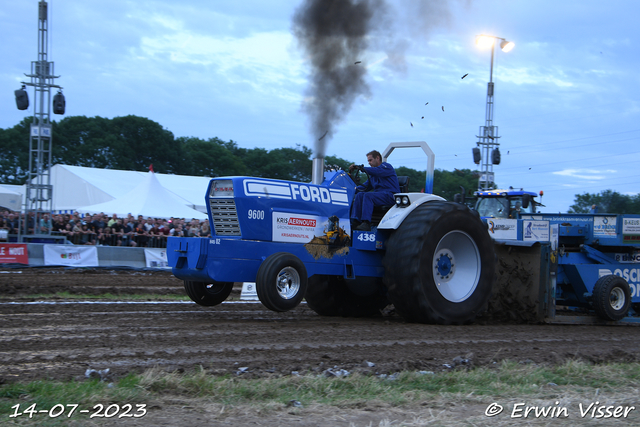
147	142
337	161
607	201
294	163
281	163
417	179
449	183
209	158
14	153
445	183
127	143
88	142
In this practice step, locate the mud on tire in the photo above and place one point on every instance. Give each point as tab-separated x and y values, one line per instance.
440	265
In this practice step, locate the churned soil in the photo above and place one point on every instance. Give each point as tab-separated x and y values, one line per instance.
60	338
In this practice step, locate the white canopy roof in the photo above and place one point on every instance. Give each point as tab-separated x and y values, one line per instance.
11	197
77	186
149	199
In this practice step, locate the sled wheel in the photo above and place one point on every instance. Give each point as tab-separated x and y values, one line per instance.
281	281
208	294
440	265
611	297
330	296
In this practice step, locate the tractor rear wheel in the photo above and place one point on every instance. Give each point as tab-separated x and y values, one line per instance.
208	294
281	281
611	297
440	265
330	296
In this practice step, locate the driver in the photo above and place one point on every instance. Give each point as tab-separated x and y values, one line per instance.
515	212
378	190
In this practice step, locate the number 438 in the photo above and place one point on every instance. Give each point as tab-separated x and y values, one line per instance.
367	237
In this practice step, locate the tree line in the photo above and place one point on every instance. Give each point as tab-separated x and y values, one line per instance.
607	201
134	143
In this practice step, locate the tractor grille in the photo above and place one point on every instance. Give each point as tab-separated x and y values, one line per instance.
225	217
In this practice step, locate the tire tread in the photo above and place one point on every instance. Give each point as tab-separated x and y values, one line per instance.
601	294
402	263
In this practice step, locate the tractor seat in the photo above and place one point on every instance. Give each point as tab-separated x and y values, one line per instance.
403	181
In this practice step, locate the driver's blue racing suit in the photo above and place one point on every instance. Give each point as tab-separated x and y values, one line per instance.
378	190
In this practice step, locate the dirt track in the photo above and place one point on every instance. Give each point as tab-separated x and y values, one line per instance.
62	340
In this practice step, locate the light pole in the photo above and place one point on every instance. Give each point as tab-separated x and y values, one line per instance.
488	137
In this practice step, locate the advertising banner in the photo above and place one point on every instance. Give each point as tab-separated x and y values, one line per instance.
604	226
503	228
301	228
11	253
628	258
535	230
156	258
631	230
70	255
295	228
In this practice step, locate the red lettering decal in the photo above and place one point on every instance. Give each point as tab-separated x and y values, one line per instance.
303	222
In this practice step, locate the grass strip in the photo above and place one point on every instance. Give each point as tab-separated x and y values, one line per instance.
501	381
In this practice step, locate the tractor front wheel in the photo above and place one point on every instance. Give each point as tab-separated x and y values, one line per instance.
208	294
281	282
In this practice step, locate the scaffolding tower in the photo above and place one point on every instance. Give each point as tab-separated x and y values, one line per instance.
488	144
38	202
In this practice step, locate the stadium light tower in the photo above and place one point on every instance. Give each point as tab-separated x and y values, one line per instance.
39	191
487	150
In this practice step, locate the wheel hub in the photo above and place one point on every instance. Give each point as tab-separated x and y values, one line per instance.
617	299
444	265
288	283
214	288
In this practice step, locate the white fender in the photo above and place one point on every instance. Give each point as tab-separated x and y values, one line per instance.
394	216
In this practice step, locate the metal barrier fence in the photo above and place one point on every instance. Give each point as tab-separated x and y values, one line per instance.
134	240
108	257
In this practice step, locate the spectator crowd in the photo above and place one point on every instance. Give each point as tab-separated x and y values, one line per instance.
100	229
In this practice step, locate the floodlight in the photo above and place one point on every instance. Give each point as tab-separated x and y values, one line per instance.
485	41
506	46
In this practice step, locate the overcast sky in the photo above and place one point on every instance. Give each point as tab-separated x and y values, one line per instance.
567	101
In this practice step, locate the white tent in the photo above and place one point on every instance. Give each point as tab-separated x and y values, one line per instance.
77	186
10	197
149	199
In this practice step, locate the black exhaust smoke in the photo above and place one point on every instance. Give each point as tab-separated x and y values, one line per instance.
333	34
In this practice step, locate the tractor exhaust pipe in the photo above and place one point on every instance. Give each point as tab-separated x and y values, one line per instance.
317	171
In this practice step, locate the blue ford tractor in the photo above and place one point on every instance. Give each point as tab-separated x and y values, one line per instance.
432	259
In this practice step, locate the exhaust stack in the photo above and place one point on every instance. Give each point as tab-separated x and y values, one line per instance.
317	171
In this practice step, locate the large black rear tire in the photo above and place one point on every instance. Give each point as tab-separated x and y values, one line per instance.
208	294
330	296
440	265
